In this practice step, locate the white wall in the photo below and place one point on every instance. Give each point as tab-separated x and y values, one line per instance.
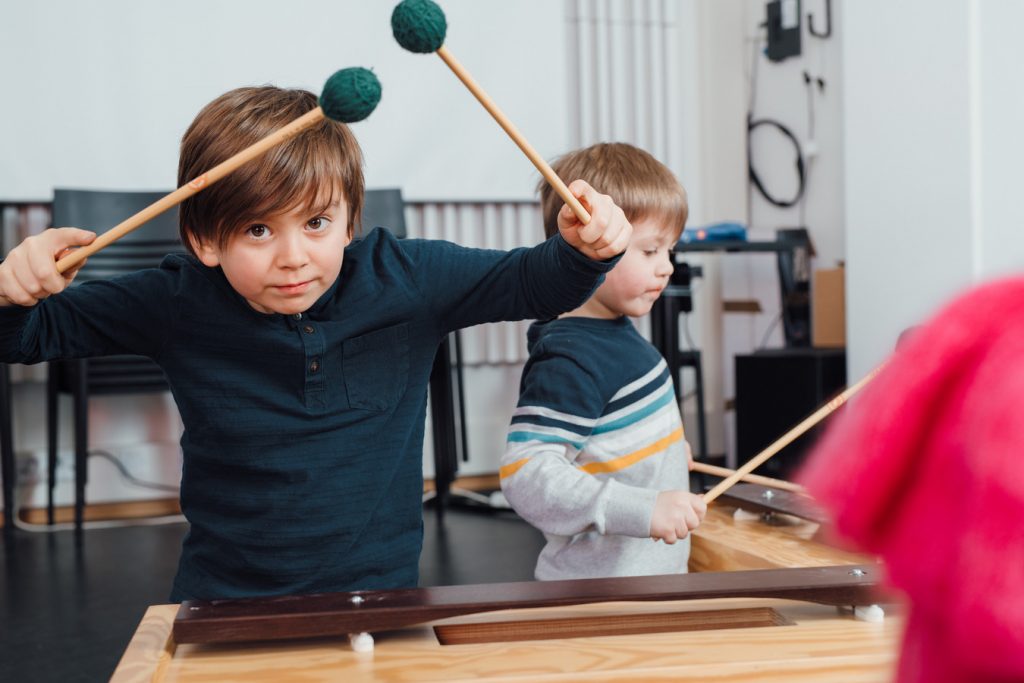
933	147
735	77
98	94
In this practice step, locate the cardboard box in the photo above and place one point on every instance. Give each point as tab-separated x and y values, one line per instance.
828	308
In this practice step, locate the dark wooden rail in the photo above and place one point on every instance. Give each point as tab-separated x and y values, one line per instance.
333	614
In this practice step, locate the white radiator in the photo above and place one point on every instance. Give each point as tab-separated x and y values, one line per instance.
488	225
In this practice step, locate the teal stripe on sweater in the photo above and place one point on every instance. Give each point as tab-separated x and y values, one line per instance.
667	397
522	437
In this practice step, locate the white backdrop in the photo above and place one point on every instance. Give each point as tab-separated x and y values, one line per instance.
98	94
933	148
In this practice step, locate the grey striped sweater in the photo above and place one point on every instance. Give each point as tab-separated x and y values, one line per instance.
596	435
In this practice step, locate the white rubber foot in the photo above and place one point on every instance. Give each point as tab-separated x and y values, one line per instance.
741	515
873	614
498	500
361	642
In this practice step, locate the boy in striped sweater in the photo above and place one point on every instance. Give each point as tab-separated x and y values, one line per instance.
595	456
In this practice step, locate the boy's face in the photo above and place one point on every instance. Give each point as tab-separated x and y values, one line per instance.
285	262
635	283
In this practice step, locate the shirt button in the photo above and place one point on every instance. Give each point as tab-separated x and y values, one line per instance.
309	329
314	366
297	316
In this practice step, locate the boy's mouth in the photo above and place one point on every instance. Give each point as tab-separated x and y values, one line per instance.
295	288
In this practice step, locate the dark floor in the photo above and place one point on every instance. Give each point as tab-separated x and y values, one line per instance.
68	608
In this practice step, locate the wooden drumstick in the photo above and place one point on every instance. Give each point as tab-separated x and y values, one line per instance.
420	26
788	438
349	95
705	468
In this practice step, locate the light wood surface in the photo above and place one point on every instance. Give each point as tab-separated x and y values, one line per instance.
820	645
722	543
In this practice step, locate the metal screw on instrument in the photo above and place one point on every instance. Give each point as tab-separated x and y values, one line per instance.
768	495
357	600
858	572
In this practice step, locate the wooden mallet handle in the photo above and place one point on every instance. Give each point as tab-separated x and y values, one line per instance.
545	170
192	187
705	468
788	438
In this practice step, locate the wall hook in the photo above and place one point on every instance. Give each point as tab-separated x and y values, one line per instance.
828	22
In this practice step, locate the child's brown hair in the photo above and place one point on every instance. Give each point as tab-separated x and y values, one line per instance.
306	171
640	184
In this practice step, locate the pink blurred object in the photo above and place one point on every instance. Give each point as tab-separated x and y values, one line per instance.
926	469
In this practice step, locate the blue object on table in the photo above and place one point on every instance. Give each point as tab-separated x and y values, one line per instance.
716	232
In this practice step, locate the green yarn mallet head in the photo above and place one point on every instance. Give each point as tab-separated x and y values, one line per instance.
419	25
350	95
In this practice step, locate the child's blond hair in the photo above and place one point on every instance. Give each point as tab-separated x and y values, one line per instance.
640	184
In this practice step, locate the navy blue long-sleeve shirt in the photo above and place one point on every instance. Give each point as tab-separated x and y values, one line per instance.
303	435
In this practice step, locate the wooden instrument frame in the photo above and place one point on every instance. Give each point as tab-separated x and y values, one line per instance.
793	640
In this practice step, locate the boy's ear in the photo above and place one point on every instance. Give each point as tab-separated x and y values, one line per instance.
205	252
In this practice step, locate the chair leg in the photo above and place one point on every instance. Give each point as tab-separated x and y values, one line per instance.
51	439
702	426
81	440
7	449
442	420
460	409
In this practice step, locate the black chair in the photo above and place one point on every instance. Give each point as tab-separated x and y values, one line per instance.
143	248
386	208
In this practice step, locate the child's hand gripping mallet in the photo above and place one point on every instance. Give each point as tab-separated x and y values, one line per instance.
349	95
419	26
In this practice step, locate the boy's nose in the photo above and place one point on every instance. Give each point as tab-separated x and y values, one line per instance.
291	252
665	267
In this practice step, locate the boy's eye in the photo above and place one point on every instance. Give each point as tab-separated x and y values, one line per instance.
319	223
258	230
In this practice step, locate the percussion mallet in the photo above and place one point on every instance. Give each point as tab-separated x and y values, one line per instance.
349	95
781	484
420	26
788	438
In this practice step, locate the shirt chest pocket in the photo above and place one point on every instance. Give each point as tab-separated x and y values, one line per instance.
376	368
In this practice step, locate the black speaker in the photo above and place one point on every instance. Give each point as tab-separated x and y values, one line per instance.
775	390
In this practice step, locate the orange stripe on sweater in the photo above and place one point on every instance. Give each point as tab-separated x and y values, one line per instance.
625	461
508	470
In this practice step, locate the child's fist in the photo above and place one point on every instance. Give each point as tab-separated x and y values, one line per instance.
608	232
29	273
676	514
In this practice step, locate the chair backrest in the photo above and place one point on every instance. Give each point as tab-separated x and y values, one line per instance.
145	247
384	208
100	210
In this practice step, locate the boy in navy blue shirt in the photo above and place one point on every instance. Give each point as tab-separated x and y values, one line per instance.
596	457
298	357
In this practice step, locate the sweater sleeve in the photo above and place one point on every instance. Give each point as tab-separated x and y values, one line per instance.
124	315
465	286
559	405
